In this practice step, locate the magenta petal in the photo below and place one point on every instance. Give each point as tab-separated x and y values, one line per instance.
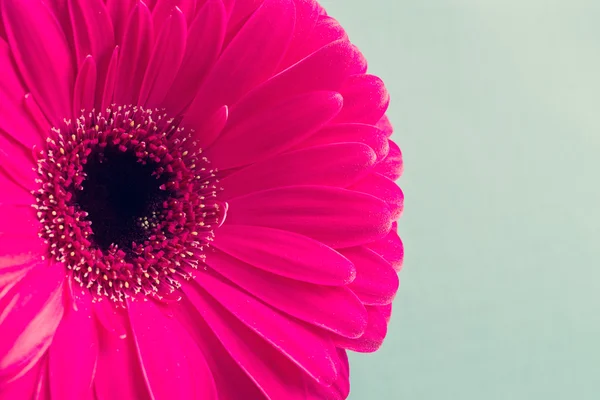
383	188
16	163
119	13
334	216
110	317
374	335
307	15
240	64
12	192
42	54
25	387
280	127
365	99
274	374
285	253
29	316
118	373
170	374
94	35
85	87
385	125
376	281
19	220
341	388
204	42
333	308
14	119
370	135
392	166
164	8
339	164
325	69
134	55
390	247
165	60
111	79
310	351
74	352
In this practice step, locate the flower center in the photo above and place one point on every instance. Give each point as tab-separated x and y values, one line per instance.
127	202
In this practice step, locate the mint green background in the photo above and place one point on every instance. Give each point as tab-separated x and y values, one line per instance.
496	107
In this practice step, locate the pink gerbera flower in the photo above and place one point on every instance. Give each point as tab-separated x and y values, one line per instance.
197	201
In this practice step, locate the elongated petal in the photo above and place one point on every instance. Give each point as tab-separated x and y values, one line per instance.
111	318
392	166
169	374
134	55
276	376
85	86
74	352
370	135
165	8
280	127
164	63
29	316
339	164
118	374
375	333
111	79
376	281
336	217
333	308
14	119
365	99
42	55
119	13
383	188
303	346
390	247
285	253
204	41
242	65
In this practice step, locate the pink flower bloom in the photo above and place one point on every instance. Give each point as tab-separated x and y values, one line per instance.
197	201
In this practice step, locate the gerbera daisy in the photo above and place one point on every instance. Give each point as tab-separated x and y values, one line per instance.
197	201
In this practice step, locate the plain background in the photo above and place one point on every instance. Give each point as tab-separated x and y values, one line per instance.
496	108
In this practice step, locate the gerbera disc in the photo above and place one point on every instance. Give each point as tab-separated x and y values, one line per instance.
198	201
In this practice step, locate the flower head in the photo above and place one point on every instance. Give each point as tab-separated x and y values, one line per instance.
198	200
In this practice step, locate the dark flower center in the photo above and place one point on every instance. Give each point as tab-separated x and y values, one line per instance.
127	202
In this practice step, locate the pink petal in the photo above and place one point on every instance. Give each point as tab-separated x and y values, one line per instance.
19	220
302	345
118	373
241	65
111	79
42	55
12	192
392	166
111	317
164	8
338	164
326	69
166	58
204	42
333	308
16	163
229	379
390	248
286	254
376	281
94	35
326	30
373	137
25	387
134	55
36	114
385	125
375	333
13	268
85	87
170	373
307	15
29	316
240	10
383	188
365	99
341	388
280	127
119	11
14	119
274	374
336	217
74	352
